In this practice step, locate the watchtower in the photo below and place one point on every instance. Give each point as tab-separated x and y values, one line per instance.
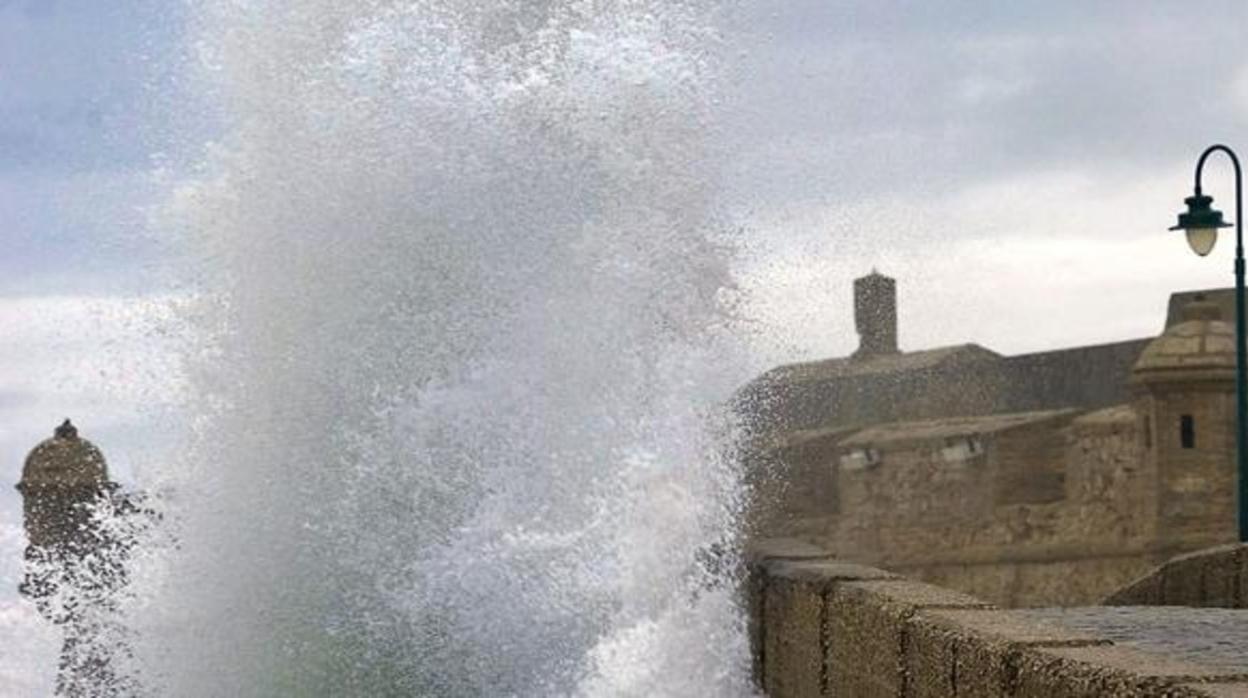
74	563
1185	385
63	476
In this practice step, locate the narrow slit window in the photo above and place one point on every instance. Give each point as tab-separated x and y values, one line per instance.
1187	431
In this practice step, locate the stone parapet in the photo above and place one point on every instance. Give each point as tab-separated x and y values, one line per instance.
869	639
824	627
1214	578
1108	670
976	652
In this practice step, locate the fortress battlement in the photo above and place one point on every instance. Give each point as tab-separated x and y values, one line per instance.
1045	478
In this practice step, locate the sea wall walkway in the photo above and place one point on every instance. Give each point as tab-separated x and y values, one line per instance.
825	627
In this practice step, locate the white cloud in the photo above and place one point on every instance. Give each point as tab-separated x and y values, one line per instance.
1239	90
1042	260
977	90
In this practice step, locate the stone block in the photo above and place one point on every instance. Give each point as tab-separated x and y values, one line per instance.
1107	671
763	556
792	640
866	634
930	656
973	653
788	597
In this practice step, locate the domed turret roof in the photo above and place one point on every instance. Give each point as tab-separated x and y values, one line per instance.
65	460
1201	348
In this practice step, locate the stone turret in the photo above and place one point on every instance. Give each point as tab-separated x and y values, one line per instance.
62	477
1198	349
1185	386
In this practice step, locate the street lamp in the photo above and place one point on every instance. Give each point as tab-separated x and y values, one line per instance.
1201	222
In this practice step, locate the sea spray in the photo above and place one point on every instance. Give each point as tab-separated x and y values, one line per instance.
467	327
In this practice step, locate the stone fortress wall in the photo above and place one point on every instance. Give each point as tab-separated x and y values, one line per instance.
1043	479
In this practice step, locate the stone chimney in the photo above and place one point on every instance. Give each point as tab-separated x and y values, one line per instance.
875	315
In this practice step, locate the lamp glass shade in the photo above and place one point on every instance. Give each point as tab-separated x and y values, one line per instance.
1202	240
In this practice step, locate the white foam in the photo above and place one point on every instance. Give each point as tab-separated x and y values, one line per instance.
29	646
468	329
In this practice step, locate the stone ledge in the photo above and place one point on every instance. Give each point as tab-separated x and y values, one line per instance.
1110	670
783	549
974	653
823	574
908	595
866	632
1008	626
825	627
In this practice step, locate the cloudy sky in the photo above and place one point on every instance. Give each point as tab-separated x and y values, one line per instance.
80	292
80	156
1015	165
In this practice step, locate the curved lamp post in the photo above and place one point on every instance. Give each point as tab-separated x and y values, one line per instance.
1201	222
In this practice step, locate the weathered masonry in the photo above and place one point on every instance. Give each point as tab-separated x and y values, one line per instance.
824	627
1029	480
